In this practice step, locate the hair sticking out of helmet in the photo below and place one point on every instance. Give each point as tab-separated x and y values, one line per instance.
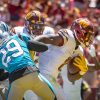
3	31
3	26
84	31
34	22
4	36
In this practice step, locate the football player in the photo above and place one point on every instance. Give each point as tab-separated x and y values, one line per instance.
3	74
64	48
16	60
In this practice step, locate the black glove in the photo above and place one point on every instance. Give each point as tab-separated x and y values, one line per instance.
3	75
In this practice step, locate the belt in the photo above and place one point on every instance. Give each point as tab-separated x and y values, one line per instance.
20	73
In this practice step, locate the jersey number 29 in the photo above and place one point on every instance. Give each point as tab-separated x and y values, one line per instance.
6	59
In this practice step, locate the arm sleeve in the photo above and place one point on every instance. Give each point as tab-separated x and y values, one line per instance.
37	46
64	34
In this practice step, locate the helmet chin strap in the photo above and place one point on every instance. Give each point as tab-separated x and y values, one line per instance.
82	44
87	44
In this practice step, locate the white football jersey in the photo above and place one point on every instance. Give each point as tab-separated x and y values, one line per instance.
20	30
72	91
55	56
23	29
48	30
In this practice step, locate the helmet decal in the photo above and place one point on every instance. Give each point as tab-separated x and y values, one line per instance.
83	24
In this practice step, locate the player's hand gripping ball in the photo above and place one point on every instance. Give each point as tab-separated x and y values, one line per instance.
77	66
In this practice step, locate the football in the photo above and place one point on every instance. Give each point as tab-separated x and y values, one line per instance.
71	68
77	64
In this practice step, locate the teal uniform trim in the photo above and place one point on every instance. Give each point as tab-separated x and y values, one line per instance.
47	82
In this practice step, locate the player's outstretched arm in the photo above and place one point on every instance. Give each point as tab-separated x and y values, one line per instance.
56	40
37	46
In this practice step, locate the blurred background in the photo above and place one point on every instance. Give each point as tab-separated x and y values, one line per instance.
59	14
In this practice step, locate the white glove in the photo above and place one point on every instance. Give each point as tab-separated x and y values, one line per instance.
92	51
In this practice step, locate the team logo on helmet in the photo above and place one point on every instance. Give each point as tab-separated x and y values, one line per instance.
83	23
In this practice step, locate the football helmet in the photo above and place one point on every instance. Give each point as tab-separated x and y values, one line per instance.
34	22
84	31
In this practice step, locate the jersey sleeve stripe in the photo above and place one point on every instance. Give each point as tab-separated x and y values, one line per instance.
64	35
